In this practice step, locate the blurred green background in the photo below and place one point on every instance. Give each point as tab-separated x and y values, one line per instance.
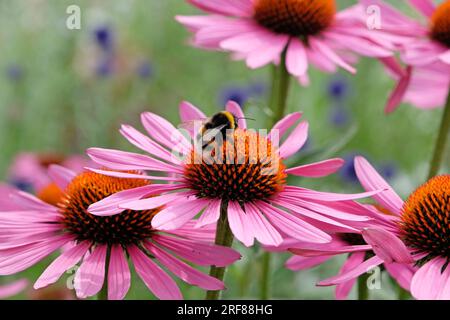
66	90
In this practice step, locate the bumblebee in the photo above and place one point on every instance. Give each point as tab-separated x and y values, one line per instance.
221	121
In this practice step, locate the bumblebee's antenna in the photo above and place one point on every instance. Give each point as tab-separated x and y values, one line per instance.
245	118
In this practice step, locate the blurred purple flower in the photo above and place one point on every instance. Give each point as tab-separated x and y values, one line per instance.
347	172
104	38
339	116
338	88
105	67
145	70
22	185
388	170
14	72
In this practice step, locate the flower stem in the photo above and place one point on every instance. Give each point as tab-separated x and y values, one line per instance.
441	142
224	237
103	294
265	275
363	290
280	90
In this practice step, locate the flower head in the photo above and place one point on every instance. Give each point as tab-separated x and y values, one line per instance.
36	229
247	171
407	234
309	32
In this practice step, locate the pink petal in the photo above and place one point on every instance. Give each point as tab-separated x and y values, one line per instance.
318	169
156	201
13	288
398	95
184	271
296	59
146	144
402	273
90	276
429	281
210	215
119	277
61	175
287	122
240	224
343	289
352	273
164	132
386	245
264	231
324	49
295	140
292	225
371	180
126	161
201	253
61	264
177	215
189	112
426	7
236	110
17	259
297	263
162	286
237	8
110	205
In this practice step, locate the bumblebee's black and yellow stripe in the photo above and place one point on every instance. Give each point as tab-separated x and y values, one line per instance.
224	120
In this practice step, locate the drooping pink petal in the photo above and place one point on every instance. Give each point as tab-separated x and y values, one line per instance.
353	273
184	271
110	205
191	231
296	58
426	7
126	161
61	175
297	192
240	224
13	288
90	275
292	225
236	109
402	273
295	140
371	180
178	214
237	8
343	289
162	286
398	95
429	281
320	46
17	259
61	264
263	230
201	253
155	202
386	245
119	277
318	169
210	215
297	263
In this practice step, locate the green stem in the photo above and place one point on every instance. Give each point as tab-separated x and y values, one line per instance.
280	90
441	142
363	290
224	237
403	294
265	283
103	294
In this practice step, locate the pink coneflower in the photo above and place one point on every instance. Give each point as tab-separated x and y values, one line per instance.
426	51
418	228
260	204
307	32
358	251
101	245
